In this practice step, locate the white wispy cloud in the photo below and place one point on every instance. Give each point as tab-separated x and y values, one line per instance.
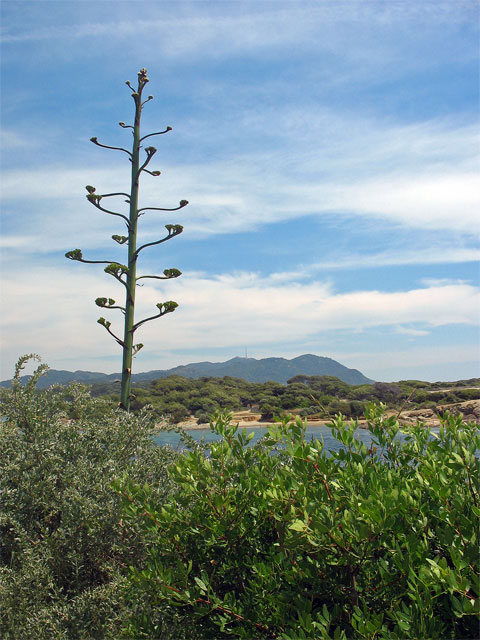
417	255
13	140
420	177
226	311
322	112
434	363
18	242
216	31
410	331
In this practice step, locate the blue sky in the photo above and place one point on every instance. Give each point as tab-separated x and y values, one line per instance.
329	151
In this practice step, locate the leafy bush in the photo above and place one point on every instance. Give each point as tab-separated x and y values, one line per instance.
357	408
64	545
287	540
468	394
268	411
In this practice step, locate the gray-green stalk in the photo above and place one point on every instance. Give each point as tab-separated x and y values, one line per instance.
127	274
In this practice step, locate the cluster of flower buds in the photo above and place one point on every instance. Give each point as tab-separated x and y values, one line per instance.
142	81
136	348
172	273
166	307
115	269
104	302
120	239
76	254
104	323
174	229
92	196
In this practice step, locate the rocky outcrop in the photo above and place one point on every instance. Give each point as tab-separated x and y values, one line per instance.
470	411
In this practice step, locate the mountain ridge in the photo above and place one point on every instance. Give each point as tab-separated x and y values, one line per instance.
249	369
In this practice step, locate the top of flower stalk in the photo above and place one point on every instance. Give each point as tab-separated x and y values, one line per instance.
142	75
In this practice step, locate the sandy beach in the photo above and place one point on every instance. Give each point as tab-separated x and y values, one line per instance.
193	425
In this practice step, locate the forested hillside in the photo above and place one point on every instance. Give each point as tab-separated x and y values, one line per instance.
314	396
250	369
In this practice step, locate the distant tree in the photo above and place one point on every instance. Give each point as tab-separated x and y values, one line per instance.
357	408
178	412
387	392
363	392
331	385
299	378
126	274
269	411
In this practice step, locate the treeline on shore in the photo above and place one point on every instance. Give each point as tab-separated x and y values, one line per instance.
309	396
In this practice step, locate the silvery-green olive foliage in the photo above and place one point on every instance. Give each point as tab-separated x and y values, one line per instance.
64	545
126	274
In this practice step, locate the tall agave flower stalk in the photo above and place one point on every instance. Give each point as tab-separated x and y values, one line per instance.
127	274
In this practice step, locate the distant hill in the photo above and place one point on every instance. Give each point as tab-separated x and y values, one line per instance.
250	369
275	369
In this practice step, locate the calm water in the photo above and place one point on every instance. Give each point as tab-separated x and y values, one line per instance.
173	439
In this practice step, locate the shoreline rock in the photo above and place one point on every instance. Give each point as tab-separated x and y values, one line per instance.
470	409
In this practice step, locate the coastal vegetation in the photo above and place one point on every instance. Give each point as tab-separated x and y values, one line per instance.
287	540
64	547
106	535
315	397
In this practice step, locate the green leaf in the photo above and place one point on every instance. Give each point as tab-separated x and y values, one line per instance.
201	584
298	525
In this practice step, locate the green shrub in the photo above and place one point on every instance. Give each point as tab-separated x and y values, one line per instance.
468	394
428	405
268	411
357	408
64	545
202	417
287	540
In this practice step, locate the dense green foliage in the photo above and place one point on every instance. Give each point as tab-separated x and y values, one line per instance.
63	544
319	396
286	540
281	539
